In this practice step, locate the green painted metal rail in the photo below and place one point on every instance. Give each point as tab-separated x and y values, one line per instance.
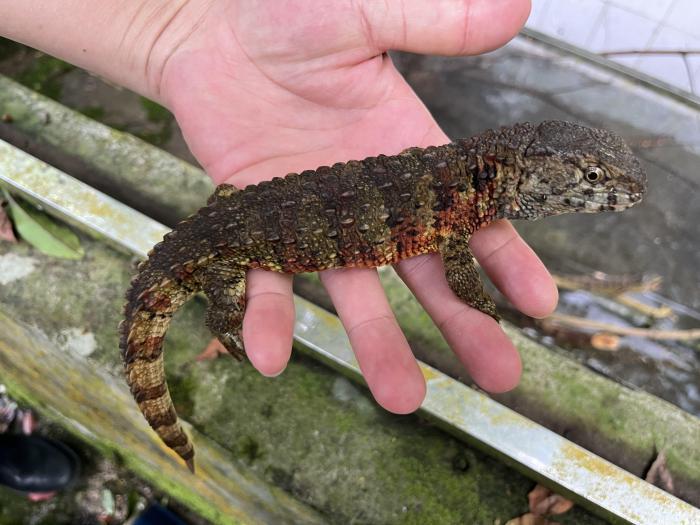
546	456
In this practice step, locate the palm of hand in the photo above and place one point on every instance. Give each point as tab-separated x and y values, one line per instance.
277	89
259	99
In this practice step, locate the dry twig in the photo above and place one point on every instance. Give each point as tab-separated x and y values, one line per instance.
656	312
669	335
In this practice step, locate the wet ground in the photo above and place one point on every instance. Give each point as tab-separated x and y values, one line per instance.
528	81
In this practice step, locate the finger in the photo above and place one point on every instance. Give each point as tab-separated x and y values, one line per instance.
386	361
515	269
478	341
268	324
442	27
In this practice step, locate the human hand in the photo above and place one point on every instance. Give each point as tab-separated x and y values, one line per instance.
267	88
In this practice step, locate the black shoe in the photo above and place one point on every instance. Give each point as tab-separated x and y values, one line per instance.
157	515
35	464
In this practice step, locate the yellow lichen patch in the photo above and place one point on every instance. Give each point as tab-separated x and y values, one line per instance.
583	459
575	462
428	372
507	417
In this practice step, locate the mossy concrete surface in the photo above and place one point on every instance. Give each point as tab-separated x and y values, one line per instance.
628	427
58	353
108	159
309	433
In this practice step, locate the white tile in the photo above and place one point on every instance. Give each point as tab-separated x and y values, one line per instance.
694	62
569	20
620	29
669	38
669	68
537	12
685	15
630	61
628	25
652	9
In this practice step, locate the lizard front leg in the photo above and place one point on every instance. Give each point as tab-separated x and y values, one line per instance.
462	274
224	287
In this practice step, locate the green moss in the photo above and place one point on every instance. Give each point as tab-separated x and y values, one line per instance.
154	111
249	449
43	75
157	138
323	440
182	388
16	509
93	112
162	123
8	48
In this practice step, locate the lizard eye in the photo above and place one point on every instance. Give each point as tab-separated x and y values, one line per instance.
594	174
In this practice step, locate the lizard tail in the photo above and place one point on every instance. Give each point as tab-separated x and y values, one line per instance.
151	304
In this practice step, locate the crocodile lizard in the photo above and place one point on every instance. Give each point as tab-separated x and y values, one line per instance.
365	213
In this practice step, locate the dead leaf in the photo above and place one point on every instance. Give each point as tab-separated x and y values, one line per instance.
605	342
212	351
530	519
42	232
659	474
544	502
6	231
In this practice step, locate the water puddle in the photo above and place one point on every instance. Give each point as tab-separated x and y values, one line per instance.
655	355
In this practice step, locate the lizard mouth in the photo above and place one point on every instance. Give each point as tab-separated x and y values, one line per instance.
595	203
611	202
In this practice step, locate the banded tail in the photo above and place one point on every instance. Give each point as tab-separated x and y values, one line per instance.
152	300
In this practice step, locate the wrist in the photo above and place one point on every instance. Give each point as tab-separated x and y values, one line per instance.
127	42
160	31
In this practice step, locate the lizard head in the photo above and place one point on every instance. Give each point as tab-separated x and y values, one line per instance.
572	168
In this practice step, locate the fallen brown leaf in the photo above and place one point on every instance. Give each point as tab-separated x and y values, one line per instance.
659	474
543	502
212	351
6	231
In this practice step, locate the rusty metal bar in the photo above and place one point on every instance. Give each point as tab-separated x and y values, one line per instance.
460	410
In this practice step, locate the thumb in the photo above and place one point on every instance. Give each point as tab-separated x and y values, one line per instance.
442	27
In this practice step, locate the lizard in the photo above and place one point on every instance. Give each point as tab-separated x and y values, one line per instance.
365	213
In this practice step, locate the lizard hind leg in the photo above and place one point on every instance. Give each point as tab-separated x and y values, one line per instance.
463	276
142	332
224	287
